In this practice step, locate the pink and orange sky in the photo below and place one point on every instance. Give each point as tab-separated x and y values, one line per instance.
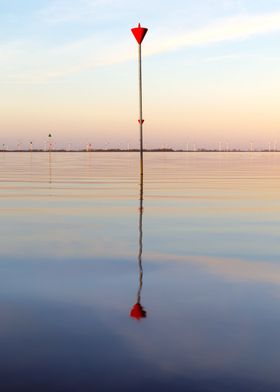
210	72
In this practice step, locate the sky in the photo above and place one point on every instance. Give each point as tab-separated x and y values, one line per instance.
211	73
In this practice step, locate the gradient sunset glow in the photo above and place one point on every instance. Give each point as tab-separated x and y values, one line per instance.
210	72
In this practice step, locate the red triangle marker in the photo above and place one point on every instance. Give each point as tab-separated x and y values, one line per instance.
138	312
139	33
140	121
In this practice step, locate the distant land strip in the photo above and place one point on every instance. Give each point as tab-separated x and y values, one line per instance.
137	150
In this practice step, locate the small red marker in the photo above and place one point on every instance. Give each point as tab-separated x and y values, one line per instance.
138	312
139	33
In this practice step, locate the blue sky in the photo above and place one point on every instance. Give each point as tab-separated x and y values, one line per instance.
211	71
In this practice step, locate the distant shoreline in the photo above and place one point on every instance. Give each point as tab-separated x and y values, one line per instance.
135	150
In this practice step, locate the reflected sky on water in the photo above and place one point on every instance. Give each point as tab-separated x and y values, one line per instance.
99	292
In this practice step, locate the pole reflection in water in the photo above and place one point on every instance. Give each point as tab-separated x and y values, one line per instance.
50	167
137	310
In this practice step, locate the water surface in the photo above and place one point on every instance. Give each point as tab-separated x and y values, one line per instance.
79	257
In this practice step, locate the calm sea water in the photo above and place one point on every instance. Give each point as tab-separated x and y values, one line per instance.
98	294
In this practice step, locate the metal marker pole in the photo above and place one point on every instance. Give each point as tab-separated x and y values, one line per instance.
139	34
140	111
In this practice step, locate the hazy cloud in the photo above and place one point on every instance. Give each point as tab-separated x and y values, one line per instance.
48	64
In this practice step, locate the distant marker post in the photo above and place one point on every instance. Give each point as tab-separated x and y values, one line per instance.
50	142
139	34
